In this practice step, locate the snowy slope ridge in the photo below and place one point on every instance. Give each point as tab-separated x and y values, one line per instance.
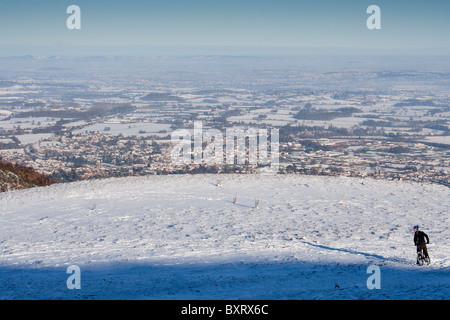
181	236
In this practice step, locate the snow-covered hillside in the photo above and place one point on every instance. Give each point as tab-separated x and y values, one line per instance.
201	237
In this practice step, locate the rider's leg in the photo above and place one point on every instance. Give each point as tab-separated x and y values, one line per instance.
418	253
425	250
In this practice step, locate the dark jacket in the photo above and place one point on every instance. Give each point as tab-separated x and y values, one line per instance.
419	237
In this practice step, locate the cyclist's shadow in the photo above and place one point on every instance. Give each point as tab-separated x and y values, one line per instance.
368	255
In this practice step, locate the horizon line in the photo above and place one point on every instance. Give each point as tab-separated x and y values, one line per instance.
213	50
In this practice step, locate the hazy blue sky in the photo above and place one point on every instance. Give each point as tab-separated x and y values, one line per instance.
423	26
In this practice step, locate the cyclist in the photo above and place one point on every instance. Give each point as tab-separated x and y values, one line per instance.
419	241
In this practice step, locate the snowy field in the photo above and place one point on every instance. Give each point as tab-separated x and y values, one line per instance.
182	237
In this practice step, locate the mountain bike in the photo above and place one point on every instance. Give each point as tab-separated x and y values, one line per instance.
421	259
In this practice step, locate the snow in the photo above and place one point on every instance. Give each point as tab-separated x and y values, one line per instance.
438	139
182	237
33	138
4	114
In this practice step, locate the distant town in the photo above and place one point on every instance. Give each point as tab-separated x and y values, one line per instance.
379	124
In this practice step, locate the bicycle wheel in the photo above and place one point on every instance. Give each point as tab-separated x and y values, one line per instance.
420	258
